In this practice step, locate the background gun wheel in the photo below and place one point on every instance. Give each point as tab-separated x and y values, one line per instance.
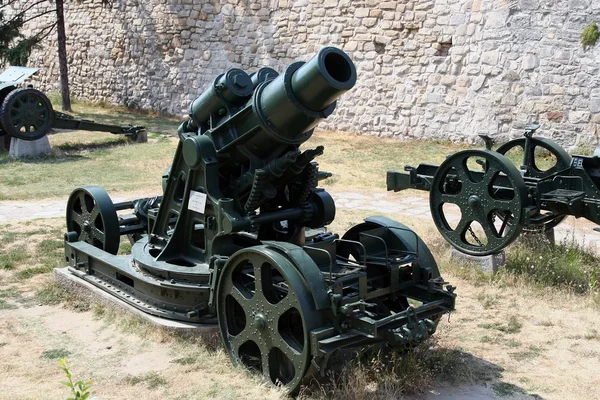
544	158
92	214
265	314
26	114
482	185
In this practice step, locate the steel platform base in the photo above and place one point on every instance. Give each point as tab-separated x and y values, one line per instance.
93	294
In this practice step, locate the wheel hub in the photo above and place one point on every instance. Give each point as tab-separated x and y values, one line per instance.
260	322
474	202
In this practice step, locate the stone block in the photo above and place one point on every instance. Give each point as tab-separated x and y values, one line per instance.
530	62
490	264
490	57
595	104
34	148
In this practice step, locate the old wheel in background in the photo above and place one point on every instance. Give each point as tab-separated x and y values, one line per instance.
26	114
481	186
265	315
545	157
92	215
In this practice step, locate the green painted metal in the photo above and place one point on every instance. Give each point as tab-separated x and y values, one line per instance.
480	196
534	197
238	236
27	114
93	216
533	149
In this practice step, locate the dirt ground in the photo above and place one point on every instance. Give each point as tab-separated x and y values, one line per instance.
512	341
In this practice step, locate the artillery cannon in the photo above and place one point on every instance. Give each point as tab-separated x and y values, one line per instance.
27	114
491	191
238	237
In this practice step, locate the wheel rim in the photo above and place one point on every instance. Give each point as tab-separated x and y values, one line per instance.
480	196
532	163
27	114
264	312
91	213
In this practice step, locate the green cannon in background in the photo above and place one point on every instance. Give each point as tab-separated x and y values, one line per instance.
238	237
485	188
27	114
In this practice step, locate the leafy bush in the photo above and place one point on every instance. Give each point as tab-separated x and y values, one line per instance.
589	36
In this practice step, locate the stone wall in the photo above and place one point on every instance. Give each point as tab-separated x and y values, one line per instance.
426	69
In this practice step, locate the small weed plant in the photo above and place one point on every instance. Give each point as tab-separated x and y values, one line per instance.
80	390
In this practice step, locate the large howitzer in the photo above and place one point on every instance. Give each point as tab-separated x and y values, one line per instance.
489	190
238	236
27	114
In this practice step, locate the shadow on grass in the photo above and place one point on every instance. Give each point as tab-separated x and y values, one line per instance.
66	152
74	147
384	373
47	159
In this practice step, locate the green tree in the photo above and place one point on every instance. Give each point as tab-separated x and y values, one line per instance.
15	48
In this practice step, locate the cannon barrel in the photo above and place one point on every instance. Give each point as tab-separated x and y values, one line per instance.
267	110
294	103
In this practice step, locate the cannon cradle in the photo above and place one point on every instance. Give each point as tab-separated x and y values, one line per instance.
238	237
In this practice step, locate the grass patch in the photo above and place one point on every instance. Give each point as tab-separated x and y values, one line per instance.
31	272
189	360
55	354
9	259
566	264
532	352
513	326
6	306
52	293
389	374
152	380
48	245
504	389
487	301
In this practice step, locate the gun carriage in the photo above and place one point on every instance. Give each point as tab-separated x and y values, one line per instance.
238	237
491	191
27	114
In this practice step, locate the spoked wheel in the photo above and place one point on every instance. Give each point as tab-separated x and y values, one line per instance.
26	114
91	213
544	158
480	185
265	313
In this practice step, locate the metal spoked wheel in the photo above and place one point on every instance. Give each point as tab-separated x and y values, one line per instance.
91	213
480	196
265	314
26	114
537	165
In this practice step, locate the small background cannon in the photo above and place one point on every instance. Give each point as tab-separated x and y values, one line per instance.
496	200
27	114
238	237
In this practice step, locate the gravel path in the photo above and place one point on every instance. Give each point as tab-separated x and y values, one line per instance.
378	201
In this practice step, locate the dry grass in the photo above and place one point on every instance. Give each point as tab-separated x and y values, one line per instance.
508	331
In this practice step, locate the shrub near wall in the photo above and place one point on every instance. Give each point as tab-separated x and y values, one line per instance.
427	69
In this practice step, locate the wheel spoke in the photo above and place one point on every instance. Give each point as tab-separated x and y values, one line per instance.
238	340
77	218
449	198
98	234
94	213
462	172
237	295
